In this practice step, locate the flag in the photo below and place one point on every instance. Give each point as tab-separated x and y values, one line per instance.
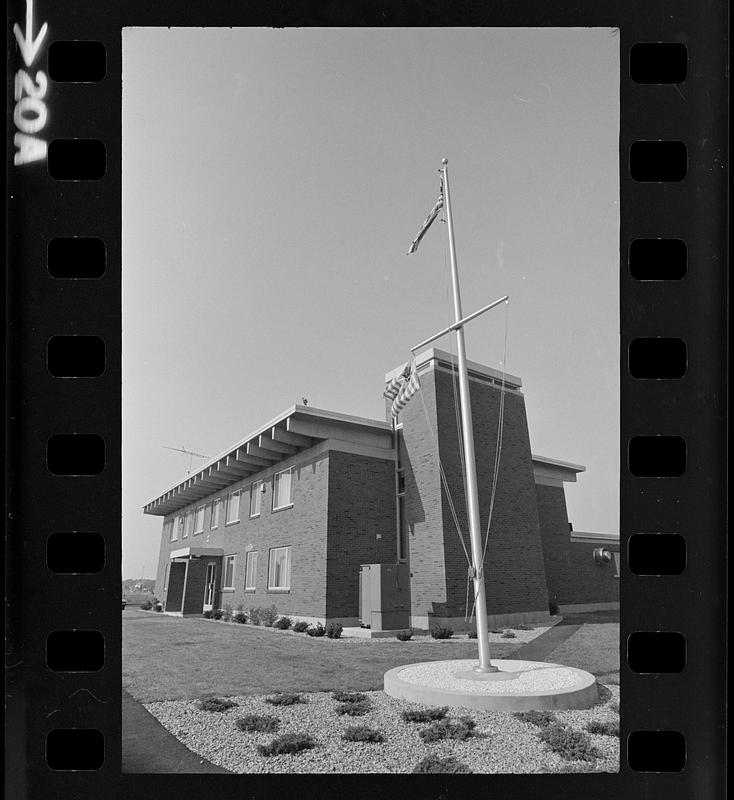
407	390
428	221
392	388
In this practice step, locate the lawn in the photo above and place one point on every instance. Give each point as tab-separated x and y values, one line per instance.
595	648
171	658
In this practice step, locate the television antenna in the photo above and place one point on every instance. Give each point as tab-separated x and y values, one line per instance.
189	453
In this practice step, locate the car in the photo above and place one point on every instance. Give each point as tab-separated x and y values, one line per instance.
124	603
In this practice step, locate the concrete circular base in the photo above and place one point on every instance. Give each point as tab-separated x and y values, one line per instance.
527	685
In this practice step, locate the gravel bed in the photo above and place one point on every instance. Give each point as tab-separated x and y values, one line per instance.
502	744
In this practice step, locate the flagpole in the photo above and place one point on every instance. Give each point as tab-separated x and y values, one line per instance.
469	457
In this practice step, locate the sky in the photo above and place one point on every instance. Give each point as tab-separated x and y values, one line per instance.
273	180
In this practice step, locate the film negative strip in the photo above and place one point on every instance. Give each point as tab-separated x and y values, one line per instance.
64	155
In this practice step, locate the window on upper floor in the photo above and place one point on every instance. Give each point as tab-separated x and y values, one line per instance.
233	507
282	489
216	505
180	525
199	523
255	495
171	530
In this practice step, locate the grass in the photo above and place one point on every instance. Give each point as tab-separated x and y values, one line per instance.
595	648
171	658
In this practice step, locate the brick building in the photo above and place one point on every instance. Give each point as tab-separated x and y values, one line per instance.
289	515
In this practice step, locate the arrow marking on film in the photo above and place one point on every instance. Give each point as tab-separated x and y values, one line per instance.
29	46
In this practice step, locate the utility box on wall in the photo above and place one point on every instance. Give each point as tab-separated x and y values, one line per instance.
384	596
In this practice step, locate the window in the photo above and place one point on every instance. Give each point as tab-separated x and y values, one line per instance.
255	493
199	526
282	489
233	508
165	577
228	573
279	569
251	571
170	525
180	527
188	527
215	513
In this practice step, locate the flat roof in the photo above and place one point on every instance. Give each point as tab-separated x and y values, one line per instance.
434	354
292	431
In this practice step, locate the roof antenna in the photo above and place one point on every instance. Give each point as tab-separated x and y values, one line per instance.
190	453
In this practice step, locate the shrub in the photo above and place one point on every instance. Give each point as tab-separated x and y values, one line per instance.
283	623
268	615
334	631
216	704
614	707
300	626
539	718
434	763
349	697
424	714
227	613
461	729
569	744
287	743
496	630
284	699
258	723
317	630
353	709
472	635
254	614
218	614
208	614
553	608
524	627
361	733
157	605
607	728
442	632
404	636
240	617
146	606
509	635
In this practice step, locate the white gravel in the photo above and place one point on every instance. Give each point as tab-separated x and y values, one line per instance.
534	677
502	744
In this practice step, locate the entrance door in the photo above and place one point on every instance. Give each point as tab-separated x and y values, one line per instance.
211	571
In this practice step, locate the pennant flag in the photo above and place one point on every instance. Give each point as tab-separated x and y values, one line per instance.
428	221
407	390
392	388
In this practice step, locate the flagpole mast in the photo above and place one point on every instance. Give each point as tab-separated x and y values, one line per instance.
469	457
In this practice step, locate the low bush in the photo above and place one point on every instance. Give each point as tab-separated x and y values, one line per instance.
283	623
553	608
349	697
606	728
146	606
361	733
268	615
569	744
614	707
461	729
509	635
442	632
218	614
471	635
424	714
316	630
496	630
434	763
404	636
300	626
353	709
539	718
284	699
287	743
524	627
216	704
208	614
227	613
240	617
257	723
254	615
334	631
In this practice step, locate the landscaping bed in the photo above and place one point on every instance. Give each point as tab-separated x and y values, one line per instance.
376	737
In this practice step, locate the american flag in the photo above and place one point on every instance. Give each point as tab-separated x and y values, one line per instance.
408	386
428	221
393	387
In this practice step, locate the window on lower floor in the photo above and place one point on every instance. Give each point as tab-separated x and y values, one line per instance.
233	507
228	577
279	568
251	571
282	485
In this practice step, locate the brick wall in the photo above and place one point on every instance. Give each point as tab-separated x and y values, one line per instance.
589	582
514	572
361	523
555	535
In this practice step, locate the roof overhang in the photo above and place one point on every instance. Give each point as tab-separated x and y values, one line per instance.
609	541
291	432
552	472
195	552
